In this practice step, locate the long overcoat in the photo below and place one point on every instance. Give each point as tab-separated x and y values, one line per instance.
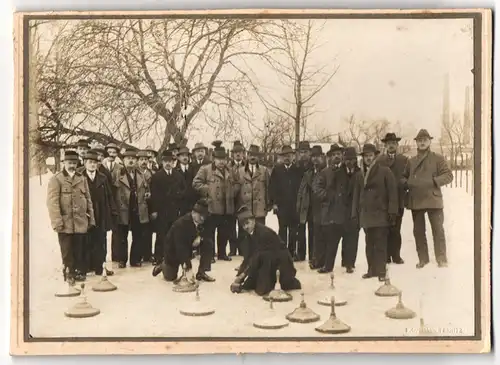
323	192
254	190
307	202
426	174
190	195
122	196
167	192
283	188
219	189
375	197
343	186
398	166
105	212
69	203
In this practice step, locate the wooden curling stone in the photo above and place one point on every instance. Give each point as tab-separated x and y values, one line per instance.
303	314
271	321
400	311
333	325
82	309
196	308
278	294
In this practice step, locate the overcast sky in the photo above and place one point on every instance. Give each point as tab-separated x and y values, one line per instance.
392	69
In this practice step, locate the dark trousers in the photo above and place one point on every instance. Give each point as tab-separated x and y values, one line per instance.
350	237
322	237
394	240
72	247
436	218
137	241
376	249
95	250
115	244
235	237
288	229
163	225
170	267
221	223
301	239
147	247
332	235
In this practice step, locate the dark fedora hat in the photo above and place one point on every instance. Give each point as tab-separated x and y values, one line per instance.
201	207
286	149
173	146
183	151
304	146
254	150
167	155
333	148
199	146
316	150
219	152
423	133
349	153
217	143
83	143
113	146
244	213
390	137
91	155
98	150
238	147
130	152
368	147
70	156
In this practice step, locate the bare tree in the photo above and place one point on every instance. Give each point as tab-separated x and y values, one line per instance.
277	131
304	78
152	78
455	136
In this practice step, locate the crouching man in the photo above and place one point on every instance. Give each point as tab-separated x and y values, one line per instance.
183	237
265	253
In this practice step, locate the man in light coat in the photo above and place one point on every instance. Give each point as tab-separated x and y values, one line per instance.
71	215
426	173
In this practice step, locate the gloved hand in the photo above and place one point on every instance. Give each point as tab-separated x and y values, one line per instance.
392	219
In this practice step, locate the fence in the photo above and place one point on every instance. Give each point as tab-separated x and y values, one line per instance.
462	167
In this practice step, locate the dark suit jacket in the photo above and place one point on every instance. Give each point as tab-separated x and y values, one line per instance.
196	166
190	196
105	212
284	187
375	197
178	245
343	186
167	193
398	164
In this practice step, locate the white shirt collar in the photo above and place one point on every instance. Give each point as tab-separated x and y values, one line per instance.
71	174
91	174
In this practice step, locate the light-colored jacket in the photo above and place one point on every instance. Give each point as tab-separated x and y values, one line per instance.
254	190
69	203
122	196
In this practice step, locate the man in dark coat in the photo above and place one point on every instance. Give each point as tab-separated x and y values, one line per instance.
105	214
187	172
334	156
239	160
308	207
305	164
82	147
398	164
375	204
283	188
143	157
266	254
174	148
167	190
425	175
184	236
199	157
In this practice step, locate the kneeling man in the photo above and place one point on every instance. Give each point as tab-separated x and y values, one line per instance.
182	238
265	253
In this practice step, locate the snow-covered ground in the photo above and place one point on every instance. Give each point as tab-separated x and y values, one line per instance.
147	306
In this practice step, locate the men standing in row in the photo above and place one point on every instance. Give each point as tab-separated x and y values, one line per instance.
114	169
71	215
375	204
308	207
220	185
304	163
143	162
238	154
425	175
283	187
105	214
167	191
187	171
398	164
131	194
200	157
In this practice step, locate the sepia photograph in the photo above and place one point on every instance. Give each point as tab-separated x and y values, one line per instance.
252	181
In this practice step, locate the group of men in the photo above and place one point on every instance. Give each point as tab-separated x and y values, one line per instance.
188	198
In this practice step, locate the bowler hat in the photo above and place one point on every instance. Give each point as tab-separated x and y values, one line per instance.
167	155
173	146
130	152
91	155
244	213
199	146
183	150
112	145
316	150
142	153
201	207
368	147
390	137
254	150
349	153
82	143
304	146
217	143
70	156
423	134
286	149
238	147
219	152
333	148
